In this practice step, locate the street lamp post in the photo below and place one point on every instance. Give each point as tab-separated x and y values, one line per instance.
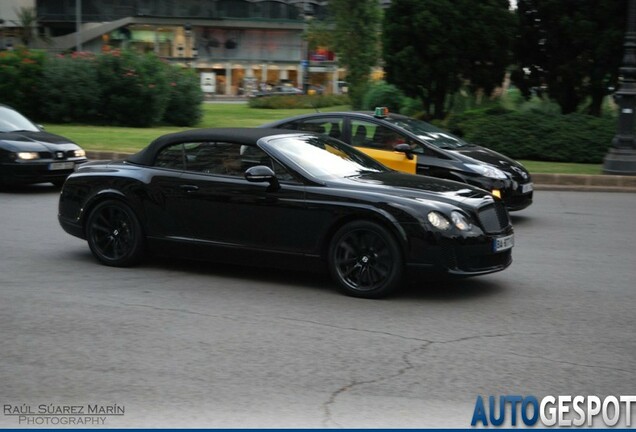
78	25
621	158
307	16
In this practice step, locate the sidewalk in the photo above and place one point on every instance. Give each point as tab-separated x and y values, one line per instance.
563	182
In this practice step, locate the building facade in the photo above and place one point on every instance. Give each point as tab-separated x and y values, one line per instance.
237	46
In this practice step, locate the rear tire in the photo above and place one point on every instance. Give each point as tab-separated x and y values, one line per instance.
365	260
114	234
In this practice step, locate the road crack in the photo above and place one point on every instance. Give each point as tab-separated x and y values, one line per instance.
329	421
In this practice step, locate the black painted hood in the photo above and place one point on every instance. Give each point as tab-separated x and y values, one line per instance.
34	141
420	188
491	157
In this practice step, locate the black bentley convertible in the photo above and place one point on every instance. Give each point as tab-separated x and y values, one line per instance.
282	198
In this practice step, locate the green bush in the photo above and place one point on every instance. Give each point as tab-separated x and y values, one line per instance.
21	80
134	88
385	95
303	101
412	107
185	97
67	100
122	88
537	135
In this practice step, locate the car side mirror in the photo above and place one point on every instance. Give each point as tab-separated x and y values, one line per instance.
262	174
406	149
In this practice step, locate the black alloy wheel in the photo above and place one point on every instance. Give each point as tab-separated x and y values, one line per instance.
365	260
114	234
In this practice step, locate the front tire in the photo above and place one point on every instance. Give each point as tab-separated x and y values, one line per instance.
365	260
114	234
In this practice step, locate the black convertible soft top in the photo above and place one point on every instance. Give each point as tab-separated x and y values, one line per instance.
244	136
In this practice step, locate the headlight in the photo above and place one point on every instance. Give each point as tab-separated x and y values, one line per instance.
488	171
460	221
28	155
79	153
438	220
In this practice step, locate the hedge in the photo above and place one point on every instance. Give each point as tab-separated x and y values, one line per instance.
537	136
298	101
21	81
115	87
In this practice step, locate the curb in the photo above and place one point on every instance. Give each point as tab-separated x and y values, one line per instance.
555	182
586	183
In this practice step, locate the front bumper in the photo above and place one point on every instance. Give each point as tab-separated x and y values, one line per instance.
39	171
465	262
514	194
470	256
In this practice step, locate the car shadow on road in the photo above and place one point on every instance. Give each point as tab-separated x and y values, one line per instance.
310	278
519	220
440	289
431	288
427	288
32	189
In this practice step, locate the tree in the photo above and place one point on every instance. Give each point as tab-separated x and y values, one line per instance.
570	48
433	47
27	21
356	41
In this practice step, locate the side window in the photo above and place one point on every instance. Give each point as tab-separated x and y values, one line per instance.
362	133
171	157
291	126
253	156
376	136
331	126
220	158
228	159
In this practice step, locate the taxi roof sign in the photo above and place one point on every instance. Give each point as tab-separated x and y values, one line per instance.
381	112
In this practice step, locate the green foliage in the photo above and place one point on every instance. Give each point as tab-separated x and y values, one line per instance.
356	40
134	90
412	107
537	135
185	97
294	102
433	47
120	88
65	100
571	49
383	94
21	80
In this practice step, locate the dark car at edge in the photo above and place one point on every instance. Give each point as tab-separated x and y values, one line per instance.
417	147
28	154
278	198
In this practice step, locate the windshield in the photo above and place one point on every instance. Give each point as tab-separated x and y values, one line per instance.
429	133
323	157
11	121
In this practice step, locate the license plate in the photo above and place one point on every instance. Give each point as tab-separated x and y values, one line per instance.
526	188
503	243
55	166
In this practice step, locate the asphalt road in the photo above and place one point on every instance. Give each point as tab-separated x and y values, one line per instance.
181	344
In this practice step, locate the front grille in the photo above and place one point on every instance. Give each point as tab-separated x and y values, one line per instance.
57	154
482	262
494	217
